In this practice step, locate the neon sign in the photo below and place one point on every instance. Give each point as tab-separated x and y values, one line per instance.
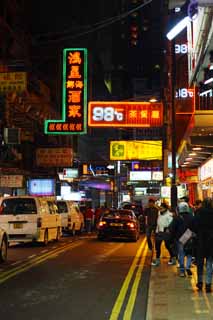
184	93
74	101
124	114
181	48
136	150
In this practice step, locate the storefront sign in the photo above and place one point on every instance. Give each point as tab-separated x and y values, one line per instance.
124	114
74	104
136	150
140	175
13	81
206	170
54	157
11	181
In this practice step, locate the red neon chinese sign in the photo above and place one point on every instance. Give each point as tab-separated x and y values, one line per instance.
125	114
74	104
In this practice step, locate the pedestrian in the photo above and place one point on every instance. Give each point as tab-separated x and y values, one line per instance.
151	216
164	219
203	226
186	199
181	222
98	212
89	217
197	206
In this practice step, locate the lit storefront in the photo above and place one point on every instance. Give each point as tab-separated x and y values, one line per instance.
205	185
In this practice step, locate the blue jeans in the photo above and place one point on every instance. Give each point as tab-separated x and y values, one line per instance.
181	258
209	269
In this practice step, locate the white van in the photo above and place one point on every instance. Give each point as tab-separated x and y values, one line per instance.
3	245
72	219
27	218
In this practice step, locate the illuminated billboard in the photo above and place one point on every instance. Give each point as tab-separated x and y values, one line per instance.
140	175
124	114
136	150
74	95
41	187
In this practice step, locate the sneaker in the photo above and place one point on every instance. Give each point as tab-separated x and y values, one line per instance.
172	262
182	274
188	271
155	262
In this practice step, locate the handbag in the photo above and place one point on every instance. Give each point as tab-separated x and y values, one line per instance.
188	234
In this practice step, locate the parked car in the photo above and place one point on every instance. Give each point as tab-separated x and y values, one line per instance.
3	245
72	218
121	223
27	218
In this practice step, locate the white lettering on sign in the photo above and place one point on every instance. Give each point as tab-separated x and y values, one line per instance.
181	48
184	93
106	114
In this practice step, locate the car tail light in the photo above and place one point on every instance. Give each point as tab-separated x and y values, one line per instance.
102	224
131	225
39	222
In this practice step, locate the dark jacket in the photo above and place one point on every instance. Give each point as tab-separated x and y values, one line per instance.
179	224
203	227
152	215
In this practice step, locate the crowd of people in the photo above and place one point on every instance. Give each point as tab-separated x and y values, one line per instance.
187	234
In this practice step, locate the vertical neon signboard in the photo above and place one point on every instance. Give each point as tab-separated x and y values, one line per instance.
74	95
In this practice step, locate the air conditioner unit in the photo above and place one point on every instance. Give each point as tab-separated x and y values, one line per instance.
12	135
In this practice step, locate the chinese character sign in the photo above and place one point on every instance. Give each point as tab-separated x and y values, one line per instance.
74	102
136	150
13	82
125	114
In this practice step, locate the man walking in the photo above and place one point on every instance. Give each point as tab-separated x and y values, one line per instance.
151	216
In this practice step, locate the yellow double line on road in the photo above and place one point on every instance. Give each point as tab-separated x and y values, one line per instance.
5	275
138	263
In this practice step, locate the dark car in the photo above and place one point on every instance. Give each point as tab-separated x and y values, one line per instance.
138	210
119	223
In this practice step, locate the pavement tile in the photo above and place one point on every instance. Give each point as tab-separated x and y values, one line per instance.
173	298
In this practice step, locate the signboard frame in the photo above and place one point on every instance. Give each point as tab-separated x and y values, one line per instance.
74	95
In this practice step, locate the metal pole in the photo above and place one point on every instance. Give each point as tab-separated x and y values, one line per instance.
173	131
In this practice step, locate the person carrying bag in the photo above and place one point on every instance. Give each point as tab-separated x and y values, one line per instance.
165	217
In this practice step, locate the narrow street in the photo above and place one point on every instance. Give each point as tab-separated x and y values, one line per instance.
76	278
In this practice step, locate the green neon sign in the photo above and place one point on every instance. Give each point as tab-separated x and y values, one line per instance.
74	95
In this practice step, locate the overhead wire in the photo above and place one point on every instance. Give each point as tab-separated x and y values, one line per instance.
96	26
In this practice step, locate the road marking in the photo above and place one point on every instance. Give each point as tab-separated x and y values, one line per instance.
32	256
134	290
39	259
122	294
17	262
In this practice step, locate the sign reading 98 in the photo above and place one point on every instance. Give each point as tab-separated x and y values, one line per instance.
106	114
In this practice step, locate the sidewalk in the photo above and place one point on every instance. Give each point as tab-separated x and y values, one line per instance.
171	297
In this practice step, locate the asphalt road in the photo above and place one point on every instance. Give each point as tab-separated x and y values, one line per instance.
78	278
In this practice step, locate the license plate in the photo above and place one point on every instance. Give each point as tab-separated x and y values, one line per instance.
18	225
116	224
